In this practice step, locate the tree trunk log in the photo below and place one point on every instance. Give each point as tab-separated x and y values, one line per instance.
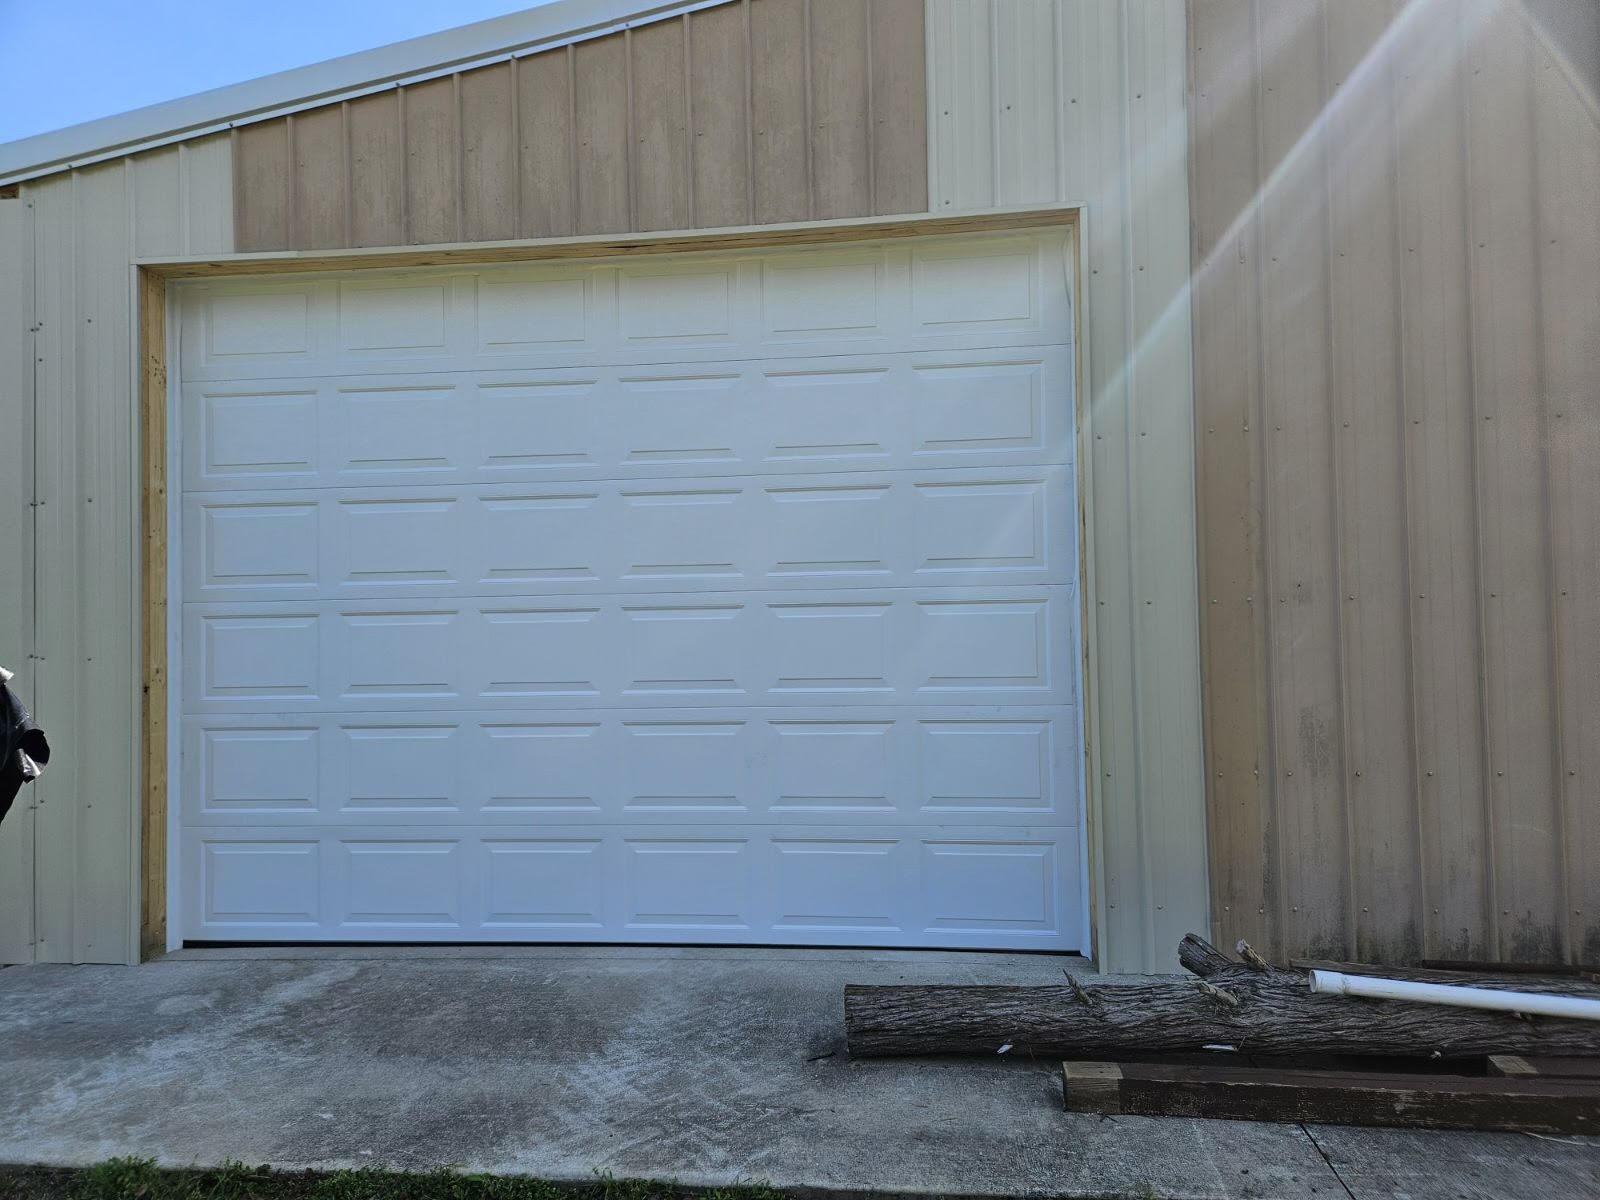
1265	1012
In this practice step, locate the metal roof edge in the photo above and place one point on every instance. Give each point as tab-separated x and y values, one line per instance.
465	46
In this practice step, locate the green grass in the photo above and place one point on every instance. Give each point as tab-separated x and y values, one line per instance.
141	1179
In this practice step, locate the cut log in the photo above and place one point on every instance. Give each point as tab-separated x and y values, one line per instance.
1265	1012
1333	1098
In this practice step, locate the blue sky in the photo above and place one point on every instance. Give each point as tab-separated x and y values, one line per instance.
66	61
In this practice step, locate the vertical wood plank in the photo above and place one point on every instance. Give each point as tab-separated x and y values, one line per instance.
719	99
899	104
1437	382
1513	488
152	299
432	159
261	186
377	171
778	110
840	157
320	179
545	156
1227	419
1369	430
601	122
1568	153
1301	564
660	149
488	155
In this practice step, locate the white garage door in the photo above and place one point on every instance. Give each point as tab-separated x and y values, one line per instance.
706	598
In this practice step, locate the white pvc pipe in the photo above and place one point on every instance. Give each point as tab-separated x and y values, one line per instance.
1534	1004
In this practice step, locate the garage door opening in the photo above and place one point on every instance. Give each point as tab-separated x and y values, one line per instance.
714	598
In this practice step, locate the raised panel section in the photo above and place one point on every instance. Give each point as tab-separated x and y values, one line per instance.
832	647
696	765
257	546
543	885
838	885
399	430
694	306
541	652
516	314
252	437
245	771
392	319
399	655
262	656
684	650
988	766
545	768
247	883
984	644
982	526
991	886
255	325
834	765
410	883
401	768
688	884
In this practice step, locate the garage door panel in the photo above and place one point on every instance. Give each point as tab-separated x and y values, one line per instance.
892	411
1004	290
886	885
883	646
1003	525
714	598
818	766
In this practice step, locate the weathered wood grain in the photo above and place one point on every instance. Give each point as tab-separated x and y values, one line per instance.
1333	1098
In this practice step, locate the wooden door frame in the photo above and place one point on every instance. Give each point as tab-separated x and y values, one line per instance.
154	442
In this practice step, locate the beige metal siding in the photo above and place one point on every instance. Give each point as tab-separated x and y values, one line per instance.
16	552
82	230
1084	100
755	110
1398	398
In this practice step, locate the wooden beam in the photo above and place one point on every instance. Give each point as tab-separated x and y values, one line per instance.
1519	1066
671	242
1334	1097
153	626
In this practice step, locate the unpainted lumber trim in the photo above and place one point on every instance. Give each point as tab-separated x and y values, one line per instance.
797	233
153	601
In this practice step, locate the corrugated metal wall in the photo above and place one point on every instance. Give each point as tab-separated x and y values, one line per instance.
74	614
751	112
1397	340
1084	100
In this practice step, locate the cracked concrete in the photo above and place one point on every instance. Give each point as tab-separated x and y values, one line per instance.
707	1066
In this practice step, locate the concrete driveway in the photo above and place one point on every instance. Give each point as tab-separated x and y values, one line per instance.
708	1066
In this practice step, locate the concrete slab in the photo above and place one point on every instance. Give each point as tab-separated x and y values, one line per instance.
707	1066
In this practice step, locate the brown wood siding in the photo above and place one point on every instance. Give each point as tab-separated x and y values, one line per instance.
753	111
1397	389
